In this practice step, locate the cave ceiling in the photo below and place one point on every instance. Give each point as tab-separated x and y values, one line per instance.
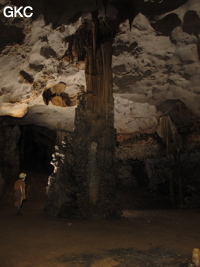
57	12
156	56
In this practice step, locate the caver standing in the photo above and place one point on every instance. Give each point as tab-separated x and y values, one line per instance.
19	193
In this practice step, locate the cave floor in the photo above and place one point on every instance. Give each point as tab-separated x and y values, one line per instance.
140	238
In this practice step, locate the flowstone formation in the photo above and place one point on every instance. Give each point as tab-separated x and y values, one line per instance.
83	184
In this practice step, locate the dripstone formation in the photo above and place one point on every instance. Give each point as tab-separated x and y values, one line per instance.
84	180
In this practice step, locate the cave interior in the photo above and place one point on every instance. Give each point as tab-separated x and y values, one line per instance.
84	173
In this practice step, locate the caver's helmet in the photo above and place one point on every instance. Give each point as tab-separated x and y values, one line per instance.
22	175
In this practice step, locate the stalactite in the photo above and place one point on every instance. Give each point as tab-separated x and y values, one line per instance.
168	132
91	34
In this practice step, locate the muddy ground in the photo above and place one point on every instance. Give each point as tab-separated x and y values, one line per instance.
143	237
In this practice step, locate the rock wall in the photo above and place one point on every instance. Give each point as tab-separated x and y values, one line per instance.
170	181
10	156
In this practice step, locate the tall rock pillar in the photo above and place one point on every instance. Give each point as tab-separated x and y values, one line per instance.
92	170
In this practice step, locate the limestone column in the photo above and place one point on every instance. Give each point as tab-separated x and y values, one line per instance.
90	164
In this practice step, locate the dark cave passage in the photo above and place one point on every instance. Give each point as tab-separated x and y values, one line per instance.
29	149
36	146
